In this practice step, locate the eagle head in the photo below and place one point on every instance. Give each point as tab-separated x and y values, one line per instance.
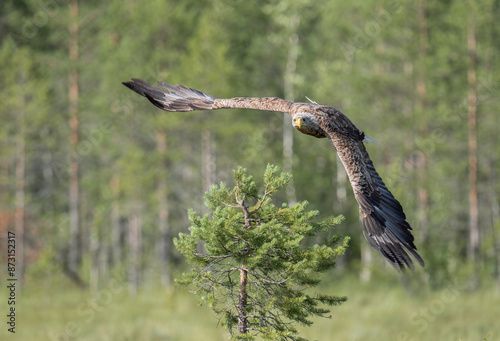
307	123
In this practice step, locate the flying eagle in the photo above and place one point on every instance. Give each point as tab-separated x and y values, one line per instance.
384	222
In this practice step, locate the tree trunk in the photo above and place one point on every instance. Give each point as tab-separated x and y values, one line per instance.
207	160
20	185
94	259
4	180
134	239
116	226
495	218
421	158
366	261
164	241
104	253
48	193
242	303
473	245
75	233
289	92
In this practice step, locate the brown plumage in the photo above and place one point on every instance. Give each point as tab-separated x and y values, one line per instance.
384	222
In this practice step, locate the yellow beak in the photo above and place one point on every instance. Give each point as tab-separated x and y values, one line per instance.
298	122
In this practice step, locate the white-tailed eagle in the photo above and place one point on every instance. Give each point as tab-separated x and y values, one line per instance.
384	222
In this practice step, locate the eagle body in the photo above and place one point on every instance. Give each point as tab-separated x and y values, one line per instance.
382	217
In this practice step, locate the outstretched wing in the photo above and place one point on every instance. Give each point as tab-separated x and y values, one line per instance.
384	222
181	98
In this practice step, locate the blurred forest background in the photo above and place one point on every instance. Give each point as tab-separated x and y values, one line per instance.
96	182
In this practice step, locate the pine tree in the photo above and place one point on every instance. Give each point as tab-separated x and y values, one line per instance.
251	265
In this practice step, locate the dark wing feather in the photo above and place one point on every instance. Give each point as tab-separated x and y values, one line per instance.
384	222
172	98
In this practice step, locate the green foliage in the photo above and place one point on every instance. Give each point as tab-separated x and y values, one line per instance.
245	234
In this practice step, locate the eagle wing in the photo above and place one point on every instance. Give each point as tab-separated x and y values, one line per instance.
180	98
384	222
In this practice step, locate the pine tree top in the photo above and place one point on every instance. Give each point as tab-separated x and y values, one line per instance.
245	231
